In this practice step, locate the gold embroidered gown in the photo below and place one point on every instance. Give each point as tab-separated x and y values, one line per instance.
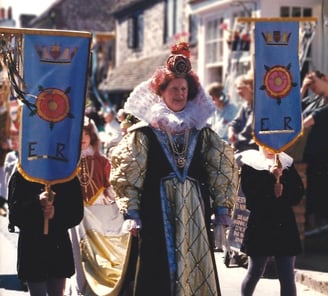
175	254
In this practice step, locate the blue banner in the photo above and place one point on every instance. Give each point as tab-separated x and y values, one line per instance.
277	101
55	74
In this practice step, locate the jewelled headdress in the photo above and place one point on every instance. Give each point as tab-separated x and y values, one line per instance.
178	62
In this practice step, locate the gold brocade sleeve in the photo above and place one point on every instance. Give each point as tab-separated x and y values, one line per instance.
128	169
221	168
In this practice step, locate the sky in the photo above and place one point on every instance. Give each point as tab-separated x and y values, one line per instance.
19	7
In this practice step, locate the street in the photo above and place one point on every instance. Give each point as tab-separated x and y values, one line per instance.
230	277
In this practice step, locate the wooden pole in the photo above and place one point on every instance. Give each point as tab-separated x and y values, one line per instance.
277	162
276	19
51	196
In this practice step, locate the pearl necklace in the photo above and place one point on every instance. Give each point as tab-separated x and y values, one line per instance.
85	175
179	156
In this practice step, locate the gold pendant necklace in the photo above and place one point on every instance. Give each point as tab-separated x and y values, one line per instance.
179	156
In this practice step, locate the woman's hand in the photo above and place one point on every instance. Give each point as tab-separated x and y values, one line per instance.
231	135
308	80
276	171
131	225
46	201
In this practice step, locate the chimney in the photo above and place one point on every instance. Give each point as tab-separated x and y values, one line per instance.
10	13
2	13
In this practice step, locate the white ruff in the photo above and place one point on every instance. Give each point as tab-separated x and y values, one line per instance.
87	152
258	161
144	104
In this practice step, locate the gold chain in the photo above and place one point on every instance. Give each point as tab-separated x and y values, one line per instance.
179	157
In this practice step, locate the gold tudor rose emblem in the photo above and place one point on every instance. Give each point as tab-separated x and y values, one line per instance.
53	105
278	82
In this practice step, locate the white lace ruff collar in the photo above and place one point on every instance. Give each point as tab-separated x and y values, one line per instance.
258	161
147	106
87	152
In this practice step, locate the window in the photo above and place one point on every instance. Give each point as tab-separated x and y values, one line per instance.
287	11
214	41
193	26
173	19
135	31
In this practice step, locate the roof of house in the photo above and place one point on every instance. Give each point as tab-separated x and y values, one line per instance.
128	75
84	15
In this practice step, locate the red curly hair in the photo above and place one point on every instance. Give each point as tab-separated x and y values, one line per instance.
162	77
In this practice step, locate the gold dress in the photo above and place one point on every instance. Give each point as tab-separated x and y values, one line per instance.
100	248
174	193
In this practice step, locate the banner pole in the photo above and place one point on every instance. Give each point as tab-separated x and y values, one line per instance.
276	19
277	162
51	197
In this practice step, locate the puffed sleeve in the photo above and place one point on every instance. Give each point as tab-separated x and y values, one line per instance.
221	168
128	170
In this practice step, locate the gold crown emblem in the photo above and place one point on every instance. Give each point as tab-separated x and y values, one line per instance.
276	38
56	54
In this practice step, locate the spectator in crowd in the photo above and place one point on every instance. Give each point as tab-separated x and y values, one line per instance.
271	187
309	84
112	132
10	163
12	156
167	173
240	129
225	110
315	119
4	133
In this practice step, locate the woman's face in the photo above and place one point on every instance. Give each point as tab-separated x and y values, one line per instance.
85	140
176	94
319	86
218	103
245	91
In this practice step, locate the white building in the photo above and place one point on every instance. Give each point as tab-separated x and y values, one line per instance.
216	61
